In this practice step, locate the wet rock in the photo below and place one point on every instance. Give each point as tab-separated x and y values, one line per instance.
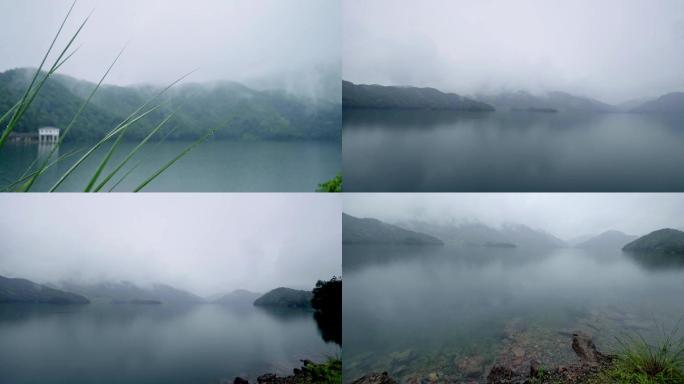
584	347
375	378
267	378
402	357
471	366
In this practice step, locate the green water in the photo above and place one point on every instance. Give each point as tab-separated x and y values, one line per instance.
215	166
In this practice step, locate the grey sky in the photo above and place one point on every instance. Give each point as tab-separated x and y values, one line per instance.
613	50
205	243
564	215
240	40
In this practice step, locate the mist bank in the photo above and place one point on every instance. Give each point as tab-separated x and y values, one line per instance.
409	97
235	110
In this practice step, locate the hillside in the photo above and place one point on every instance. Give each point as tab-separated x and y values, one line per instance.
285	298
391	97
25	291
668	103
372	231
238	111
607	241
128	292
665	241
547	102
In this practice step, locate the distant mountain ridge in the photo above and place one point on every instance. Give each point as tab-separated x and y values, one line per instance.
13	290
665	241
607	240
123	291
393	97
373	231
481	235
237	111
547	102
669	103
238	297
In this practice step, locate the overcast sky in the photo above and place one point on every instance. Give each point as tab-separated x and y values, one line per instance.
240	40
613	50
205	243
564	215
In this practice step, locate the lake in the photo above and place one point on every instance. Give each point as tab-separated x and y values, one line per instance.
107	343
414	311
215	166
439	151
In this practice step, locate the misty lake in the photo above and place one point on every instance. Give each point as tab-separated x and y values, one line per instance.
126	343
415	311
215	166
436	151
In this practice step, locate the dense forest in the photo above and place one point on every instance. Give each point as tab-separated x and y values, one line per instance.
238	112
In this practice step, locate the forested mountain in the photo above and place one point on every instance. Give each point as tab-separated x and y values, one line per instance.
26	291
237	111
285	298
392	97
665	241
372	231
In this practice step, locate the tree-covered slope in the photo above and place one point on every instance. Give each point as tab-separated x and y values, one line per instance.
551	101
391	97
665	241
237	111
285	298
372	231
26	291
128	292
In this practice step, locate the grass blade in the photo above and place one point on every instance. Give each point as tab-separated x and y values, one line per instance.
73	120
26	177
170	163
96	146
133	152
133	168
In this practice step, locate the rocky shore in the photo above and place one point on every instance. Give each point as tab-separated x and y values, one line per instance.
308	373
516	365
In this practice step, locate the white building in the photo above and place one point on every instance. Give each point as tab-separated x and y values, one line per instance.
48	135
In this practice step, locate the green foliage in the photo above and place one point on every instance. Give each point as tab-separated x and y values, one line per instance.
644	363
329	372
258	115
327	304
332	185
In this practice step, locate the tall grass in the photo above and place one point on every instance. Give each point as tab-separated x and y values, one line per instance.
15	113
641	362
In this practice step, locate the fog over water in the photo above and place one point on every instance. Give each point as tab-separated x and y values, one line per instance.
204	243
268	44
611	50
565	215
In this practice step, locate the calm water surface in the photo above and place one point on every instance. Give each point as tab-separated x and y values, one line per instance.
104	343
414	311
215	166
511	151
